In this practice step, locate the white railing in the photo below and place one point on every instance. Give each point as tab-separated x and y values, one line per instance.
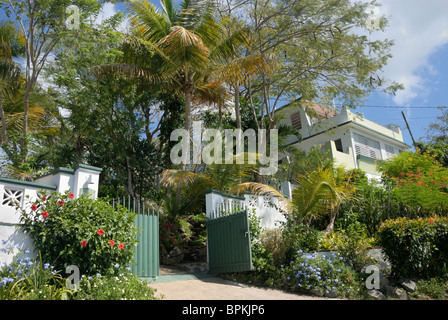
269	209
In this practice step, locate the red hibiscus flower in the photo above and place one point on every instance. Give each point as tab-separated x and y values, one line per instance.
100	232
112	243
44	198
84	243
45	214
33	207
121	246
60	202
71	195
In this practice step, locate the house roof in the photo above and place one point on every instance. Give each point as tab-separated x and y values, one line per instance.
313	109
318	111
396	141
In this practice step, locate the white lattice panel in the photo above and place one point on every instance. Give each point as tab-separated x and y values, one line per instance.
11	197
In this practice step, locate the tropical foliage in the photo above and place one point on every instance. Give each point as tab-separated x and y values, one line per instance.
112	96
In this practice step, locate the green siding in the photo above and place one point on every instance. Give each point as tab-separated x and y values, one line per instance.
146	256
367	164
147	253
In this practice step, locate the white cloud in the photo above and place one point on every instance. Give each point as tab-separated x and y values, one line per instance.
419	28
107	11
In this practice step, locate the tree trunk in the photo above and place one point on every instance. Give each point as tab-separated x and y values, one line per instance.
330	225
187	125
2	114
220	114
237	106
24	142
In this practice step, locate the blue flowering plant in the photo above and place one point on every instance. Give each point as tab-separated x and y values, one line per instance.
29	278
325	275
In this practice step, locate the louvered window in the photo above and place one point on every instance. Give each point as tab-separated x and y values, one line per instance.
367	147
390	151
296	121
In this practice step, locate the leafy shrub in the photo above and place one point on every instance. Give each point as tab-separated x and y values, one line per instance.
272	240
325	275
124	286
88	233
170	235
373	205
419	181
417	247
27	278
352	244
434	288
301	237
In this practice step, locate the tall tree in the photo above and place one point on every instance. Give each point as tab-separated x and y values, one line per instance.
438	131
12	45
194	54
42	23
111	121
322	52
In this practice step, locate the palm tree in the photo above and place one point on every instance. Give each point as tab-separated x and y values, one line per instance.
318	193
322	192
42	113
192	53
185	189
12	45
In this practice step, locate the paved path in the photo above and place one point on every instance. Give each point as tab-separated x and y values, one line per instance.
173	284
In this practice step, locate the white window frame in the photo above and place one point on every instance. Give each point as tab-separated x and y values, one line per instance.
366	146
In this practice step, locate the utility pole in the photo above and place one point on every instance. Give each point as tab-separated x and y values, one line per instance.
407	125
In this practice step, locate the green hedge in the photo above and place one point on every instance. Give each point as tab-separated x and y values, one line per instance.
416	247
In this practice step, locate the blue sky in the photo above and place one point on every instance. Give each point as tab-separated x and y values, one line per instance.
420	31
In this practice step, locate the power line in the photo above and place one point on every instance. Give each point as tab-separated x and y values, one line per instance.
406	107
412	118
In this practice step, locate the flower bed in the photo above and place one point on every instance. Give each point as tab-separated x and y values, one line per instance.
322	275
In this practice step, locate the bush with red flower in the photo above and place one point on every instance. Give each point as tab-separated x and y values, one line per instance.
82	232
418	181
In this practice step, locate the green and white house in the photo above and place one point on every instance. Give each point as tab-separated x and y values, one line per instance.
348	138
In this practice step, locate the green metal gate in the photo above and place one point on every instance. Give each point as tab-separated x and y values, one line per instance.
146	256
228	242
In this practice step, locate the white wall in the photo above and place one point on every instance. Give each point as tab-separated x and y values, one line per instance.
269	210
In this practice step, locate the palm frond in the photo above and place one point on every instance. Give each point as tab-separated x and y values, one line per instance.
150	24
12	41
264	190
212	92
320	192
242	68
172	178
184	47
